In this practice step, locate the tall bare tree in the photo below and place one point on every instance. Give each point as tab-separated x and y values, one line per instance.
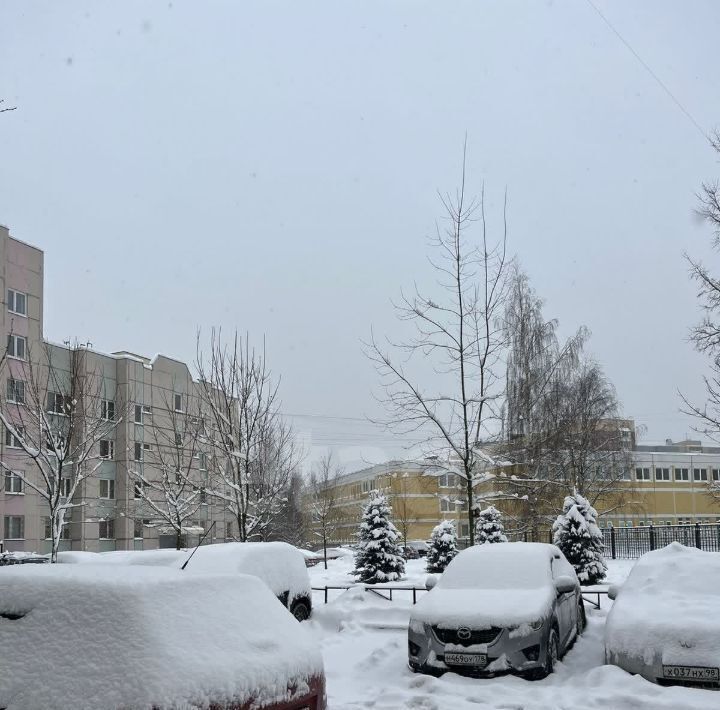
460	333
323	496
52	417
169	473
255	447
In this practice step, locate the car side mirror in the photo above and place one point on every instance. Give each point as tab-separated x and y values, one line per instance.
430	581
613	590
565	584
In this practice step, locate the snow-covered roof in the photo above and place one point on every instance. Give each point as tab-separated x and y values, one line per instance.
105	636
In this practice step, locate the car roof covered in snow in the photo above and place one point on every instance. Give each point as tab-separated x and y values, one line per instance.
668	607
106	636
280	565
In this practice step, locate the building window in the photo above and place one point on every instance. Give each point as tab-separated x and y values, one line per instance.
13	483
14	527
12	441
682	474
203	461
17	347
106	530
716	474
107	410
464	530
138	414
17	302
64	535
178	403
15	391
139	489
203	495
642	474
228	530
140	450
700	474
107	449
107	488
58	403
662	474
65	487
178	439
450	506
138	529
448	480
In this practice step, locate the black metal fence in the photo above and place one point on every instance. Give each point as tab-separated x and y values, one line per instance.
630	543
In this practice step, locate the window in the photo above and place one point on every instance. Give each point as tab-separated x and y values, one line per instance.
107	449
14	527
448	480
13	483
228	530
106	530
642	474
17	347
447	505
203	461
178	439
682	474
107	410
139	489
464	530
58	403
64	534
17	302
140	450
662	474
107	488
716	474
138	529
138	414
13	441
15	391
203	495
65	486
178	403
700	474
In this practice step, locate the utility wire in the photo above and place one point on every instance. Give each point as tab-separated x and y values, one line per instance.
649	71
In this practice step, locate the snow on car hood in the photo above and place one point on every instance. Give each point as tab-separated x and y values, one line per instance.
483	608
667	610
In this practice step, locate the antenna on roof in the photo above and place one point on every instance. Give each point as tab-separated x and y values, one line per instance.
185	564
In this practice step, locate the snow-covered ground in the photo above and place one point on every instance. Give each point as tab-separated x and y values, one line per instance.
364	642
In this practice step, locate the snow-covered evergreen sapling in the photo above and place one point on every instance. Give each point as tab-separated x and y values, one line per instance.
489	526
443	546
576	533
378	558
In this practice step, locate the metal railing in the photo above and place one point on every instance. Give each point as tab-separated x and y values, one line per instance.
630	543
375	589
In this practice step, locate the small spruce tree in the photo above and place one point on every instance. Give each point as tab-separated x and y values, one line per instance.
443	546
489	526
576	533
379	558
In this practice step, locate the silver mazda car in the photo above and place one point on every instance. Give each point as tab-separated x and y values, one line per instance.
508	607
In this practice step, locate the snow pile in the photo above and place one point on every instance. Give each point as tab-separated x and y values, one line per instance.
443	546
489	526
378	558
492	585
280	565
576	533
102	636
667	610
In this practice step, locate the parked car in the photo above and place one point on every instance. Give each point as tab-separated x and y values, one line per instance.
410	553
420	546
178	640
664	623
311	558
510	607
280	565
335	553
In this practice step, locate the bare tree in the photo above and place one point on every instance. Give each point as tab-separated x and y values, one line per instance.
52	417
323	494
3	109
254	446
169	472
460	333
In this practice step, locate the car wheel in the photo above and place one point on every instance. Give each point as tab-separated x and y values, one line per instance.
581	617
300	610
551	656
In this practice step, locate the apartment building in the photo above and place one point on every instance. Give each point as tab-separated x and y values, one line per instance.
145	403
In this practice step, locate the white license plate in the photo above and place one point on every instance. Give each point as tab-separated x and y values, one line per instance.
466	659
698	673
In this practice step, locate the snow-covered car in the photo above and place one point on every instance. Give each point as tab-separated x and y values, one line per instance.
664	622
113	636
280	565
311	558
508	607
336	553
420	546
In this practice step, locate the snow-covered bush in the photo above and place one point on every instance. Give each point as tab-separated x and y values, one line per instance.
443	546
378	558
576	533
489	526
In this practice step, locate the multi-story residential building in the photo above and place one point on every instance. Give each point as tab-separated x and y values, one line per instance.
149	405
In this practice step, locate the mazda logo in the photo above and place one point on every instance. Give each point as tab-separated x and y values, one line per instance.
464	633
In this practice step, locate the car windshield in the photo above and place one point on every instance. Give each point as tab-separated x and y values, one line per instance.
495	571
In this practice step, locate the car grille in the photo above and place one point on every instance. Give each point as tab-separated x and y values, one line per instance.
476	636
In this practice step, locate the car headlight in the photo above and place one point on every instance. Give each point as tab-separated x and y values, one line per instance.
535	625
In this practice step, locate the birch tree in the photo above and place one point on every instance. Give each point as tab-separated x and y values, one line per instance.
458	330
52	420
255	449
323	494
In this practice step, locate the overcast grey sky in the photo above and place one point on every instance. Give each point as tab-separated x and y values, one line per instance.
273	166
